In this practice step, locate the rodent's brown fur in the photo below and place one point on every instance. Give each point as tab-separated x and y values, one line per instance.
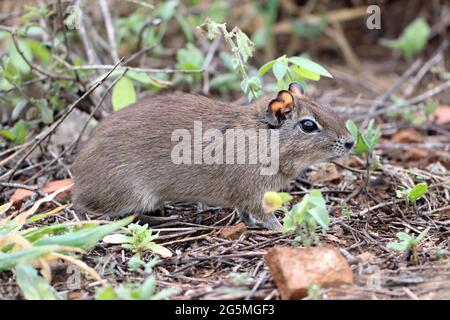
126	166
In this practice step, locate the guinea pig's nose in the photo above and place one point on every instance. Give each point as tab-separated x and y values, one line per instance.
349	144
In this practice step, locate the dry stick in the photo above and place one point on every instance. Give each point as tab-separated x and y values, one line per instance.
378	102
90	52
74	144
40	138
428	94
147	70
109	30
209	57
438	55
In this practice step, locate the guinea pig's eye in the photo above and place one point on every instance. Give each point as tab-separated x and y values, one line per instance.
308	126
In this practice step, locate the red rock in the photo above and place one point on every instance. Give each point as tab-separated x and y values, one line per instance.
21	195
233	232
442	115
294	269
408	135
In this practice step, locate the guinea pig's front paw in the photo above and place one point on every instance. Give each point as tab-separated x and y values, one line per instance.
269	221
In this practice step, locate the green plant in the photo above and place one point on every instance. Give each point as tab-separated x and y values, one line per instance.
412	40
190	58
314	292
138	240
242	49
413	194
136	263
18	134
134	291
416	114
24	245
365	143
409	243
305	216
294	69
240	279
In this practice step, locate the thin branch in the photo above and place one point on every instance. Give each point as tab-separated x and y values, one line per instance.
40	138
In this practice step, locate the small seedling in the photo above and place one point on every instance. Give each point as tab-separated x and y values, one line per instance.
305	216
413	194
408	244
136	264
412	40
365	143
415	114
346	212
314	292
240	279
138	240
132	291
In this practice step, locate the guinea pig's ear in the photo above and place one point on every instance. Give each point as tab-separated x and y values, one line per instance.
280	108
296	88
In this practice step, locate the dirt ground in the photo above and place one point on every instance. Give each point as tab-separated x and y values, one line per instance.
203	260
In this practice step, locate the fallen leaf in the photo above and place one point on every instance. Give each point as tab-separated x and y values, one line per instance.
233	232
415	154
21	195
328	174
409	135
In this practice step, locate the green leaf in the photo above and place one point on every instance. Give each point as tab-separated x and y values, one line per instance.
45	112
39	50
285	197
279	69
16	59
404	236
245	45
321	216
117	238
106	293
417	191
306	74
167	10
10	259
8	134
412	40
158	249
352	128
33	286
266	67
400	246
422	234
123	94
148	288
85	238
310	66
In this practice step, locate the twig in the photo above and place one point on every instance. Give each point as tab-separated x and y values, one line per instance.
40	138
147	70
109	30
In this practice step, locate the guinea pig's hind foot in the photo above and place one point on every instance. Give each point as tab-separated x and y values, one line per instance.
267	221
152	220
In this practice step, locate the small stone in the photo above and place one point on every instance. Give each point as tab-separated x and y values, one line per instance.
233	232
295	269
